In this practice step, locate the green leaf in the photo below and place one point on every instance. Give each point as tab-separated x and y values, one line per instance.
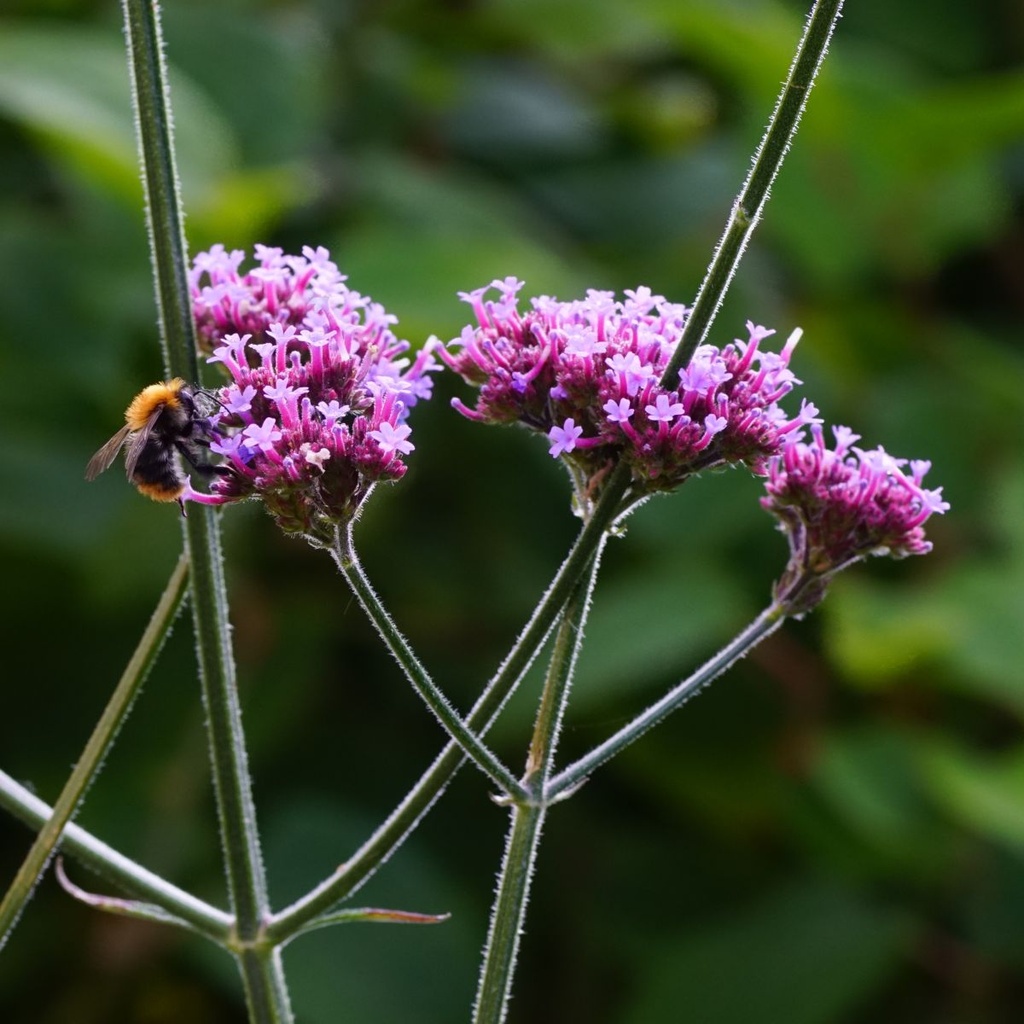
371	915
137	909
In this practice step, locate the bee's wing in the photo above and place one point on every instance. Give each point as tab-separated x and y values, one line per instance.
138	441
106	455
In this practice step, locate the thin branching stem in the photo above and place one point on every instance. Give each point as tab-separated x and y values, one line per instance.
108	863
762	627
165	222
528	816
601	516
351	875
345	557
99	743
260	968
750	203
524	837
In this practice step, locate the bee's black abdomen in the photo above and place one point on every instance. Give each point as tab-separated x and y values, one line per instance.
156	475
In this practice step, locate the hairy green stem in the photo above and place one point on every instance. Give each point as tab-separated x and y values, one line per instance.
99	743
350	876
749	205
524	838
508	913
528	816
263	980
344	554
763	626
406	816
232	787
106	862
164	220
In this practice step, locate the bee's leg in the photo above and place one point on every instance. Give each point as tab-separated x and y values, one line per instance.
188	452
204	469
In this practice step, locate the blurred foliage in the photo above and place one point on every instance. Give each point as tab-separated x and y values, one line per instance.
833	833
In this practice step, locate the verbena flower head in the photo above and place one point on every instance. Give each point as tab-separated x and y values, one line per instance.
587	375
320	389
839	505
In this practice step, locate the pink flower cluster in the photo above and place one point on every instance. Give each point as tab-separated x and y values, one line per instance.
587	374
838	505
320	389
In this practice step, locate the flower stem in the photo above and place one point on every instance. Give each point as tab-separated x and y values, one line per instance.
528	816
555	696
763	626
348	878
96	749
232	787
151	101
527	822
508	913
261	972
749	205
129	876
344	554
405	817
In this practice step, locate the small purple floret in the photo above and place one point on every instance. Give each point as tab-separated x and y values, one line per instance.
563	438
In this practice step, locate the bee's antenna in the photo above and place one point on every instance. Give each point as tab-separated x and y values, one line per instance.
211	395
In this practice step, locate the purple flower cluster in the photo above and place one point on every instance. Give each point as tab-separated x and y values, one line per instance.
315	411
587	374
843	504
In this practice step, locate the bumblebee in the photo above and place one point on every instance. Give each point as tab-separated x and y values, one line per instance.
161	420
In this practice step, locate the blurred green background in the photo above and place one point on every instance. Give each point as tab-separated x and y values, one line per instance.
832	833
